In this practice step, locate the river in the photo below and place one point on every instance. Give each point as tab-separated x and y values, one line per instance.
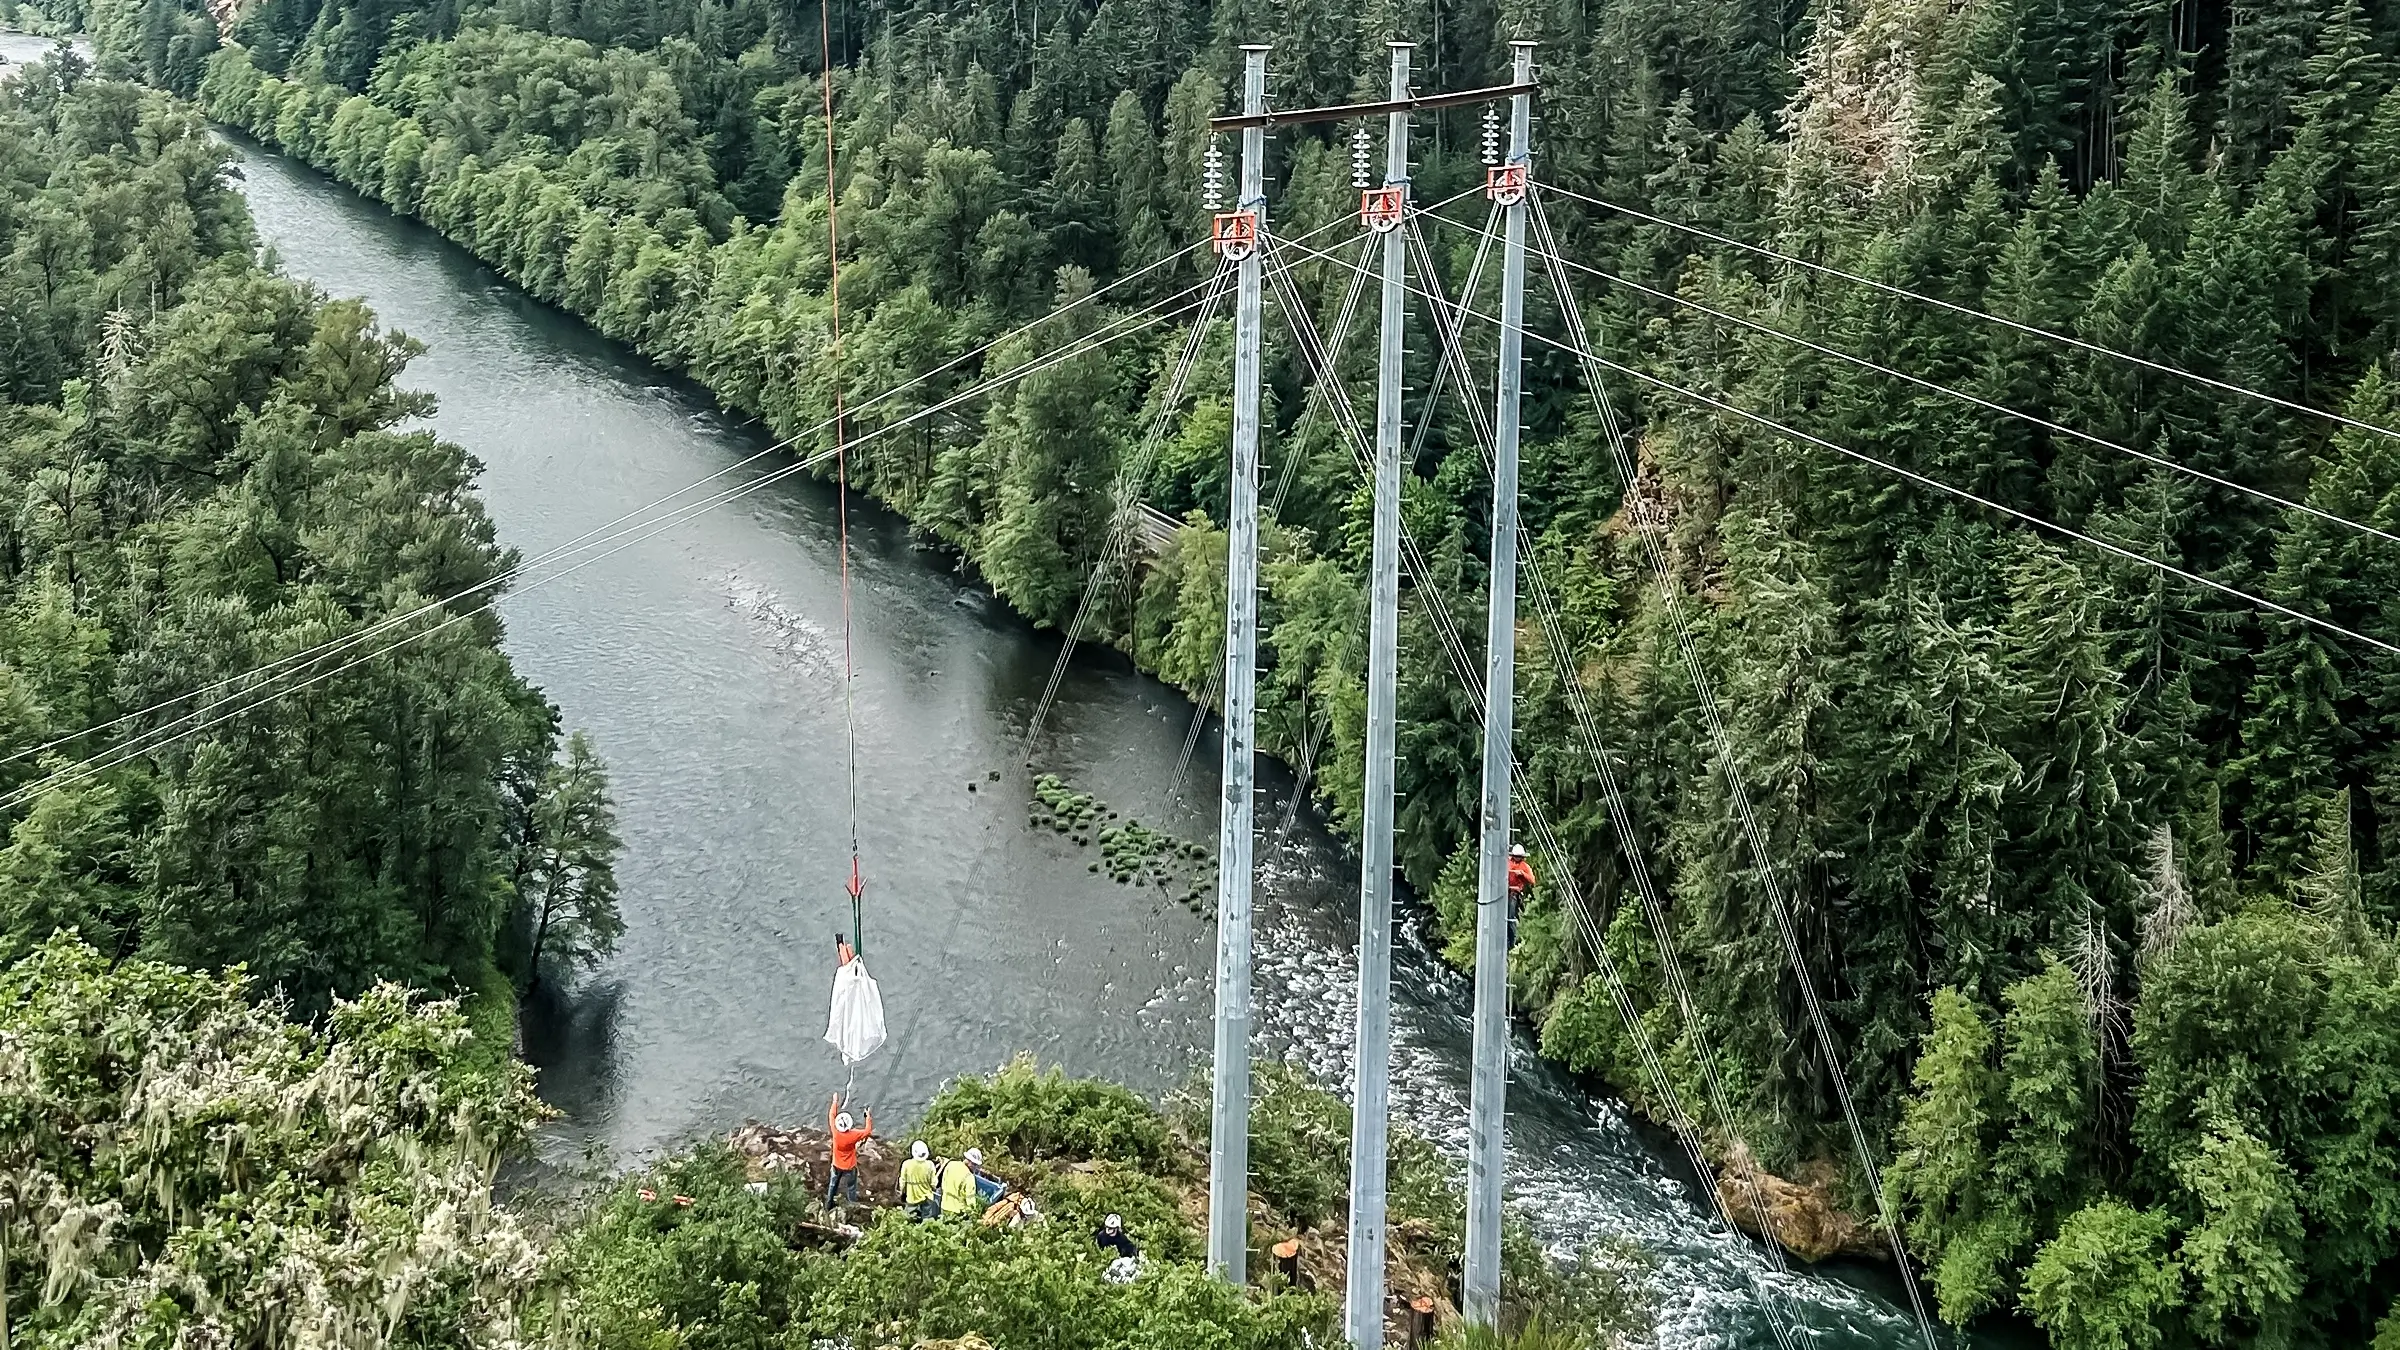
705	665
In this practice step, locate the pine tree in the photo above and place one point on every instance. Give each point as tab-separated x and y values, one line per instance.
1196	97
2267	44
1936	1181
1131	153
2158	183
565	867
2375	234
2068	827
1076	210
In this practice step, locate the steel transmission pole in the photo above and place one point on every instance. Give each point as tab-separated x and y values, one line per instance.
1370	1098
1488	1100
1229	1119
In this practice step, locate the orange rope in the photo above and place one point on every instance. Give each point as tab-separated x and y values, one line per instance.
841	462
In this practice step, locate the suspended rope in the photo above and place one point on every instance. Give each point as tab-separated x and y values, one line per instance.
841	466
854	1023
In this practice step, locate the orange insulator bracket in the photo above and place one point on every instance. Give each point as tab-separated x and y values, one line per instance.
1236	234
1382	209
1505	183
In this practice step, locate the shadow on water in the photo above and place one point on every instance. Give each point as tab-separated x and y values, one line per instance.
706	664
567	1033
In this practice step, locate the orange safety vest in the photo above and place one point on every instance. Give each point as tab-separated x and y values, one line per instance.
1520	875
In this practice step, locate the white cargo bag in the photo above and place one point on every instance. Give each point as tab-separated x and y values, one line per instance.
855	1026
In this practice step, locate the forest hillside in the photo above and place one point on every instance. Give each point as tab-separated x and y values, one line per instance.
2090	853
208	480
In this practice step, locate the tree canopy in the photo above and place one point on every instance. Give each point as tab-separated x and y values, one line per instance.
1985	761
210	469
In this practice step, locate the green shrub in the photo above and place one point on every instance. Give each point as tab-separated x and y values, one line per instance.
1534	1335
211	1145
1423	1186
1079	1199
491	1012
1299	1145
717	1274
1027	1112
1040	1287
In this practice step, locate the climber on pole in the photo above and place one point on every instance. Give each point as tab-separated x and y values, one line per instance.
1520	887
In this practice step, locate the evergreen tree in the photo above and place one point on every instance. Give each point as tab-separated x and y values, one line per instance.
1133	180
2267	43
565	867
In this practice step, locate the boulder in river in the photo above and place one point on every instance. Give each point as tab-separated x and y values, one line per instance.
1797	1213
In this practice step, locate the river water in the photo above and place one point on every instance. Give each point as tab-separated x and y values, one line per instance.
705	663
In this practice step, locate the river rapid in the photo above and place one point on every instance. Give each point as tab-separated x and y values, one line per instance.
705	664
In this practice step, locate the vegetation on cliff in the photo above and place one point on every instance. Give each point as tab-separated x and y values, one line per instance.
182	1165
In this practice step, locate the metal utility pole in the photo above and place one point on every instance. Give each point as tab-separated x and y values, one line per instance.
1370	1099
1488	1100
1229	1119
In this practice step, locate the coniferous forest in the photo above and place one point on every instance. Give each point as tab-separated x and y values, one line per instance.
205	477
2096	867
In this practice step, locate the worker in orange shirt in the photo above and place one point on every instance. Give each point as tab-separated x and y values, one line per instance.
845	1150
1520	887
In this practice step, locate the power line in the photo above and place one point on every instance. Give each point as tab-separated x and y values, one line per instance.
1933	386
334	646
1454	646
1722	742
177	730
1125	503
1969	311
1912	475
1620	815
1968	495
1612	794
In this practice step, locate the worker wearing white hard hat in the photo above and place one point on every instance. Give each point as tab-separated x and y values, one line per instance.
918	1183
1111	1237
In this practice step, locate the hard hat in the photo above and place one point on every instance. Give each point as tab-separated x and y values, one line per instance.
1516	850
918	1150
975	1156
1113	1221
842	1121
